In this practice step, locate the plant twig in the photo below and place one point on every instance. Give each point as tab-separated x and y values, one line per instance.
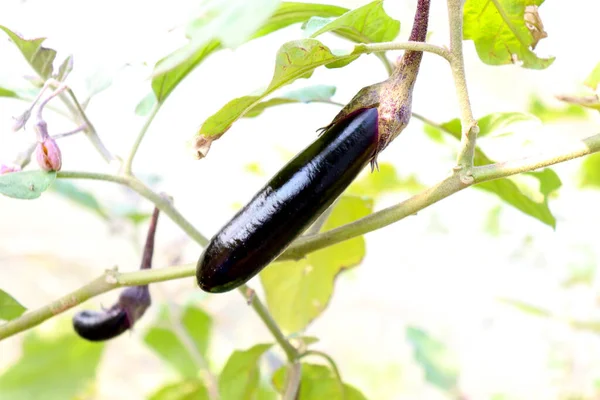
367	48
290	351
139	138
457	65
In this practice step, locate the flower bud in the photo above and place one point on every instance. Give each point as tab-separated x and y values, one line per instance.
48	155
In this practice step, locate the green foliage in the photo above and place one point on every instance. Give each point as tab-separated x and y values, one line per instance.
240	377
589	175
40	58
26	184
309	94
547	113
294	60
506	189
189	389
433	356
79	196
170	335
52	368
384	181
9	307
366	24
8	93
318	382
498	29
298	291
593	78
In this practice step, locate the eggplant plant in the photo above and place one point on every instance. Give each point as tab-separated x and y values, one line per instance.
290	245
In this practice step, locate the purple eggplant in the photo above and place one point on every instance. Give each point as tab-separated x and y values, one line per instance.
289	203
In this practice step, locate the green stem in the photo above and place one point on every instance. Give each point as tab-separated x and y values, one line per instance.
292	382
333	366
252	299
140	137
367	48
457	65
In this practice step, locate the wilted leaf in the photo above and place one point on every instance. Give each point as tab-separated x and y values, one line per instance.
534	24
26	184
190	389
294	60
298	291
51	368
318	382
79	196
166	340
366	24
241	374
500	33
439	364
9	307
287	14
317	93
40	58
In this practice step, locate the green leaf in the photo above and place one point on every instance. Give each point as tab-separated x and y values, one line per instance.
593	78
165	339
308	94
439	364
366	24
506	188
8	93
298	291
318	382
547	113
64	69
146	104
9	307
26	184
40	58
381	182
294	60
230	22
498	29
527	308
79	196
241	374
287	14
498	122
51	368
590	172
190	389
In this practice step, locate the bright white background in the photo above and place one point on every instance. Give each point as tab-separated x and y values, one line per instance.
440	271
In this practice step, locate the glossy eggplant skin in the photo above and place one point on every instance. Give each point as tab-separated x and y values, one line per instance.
97	326
288	204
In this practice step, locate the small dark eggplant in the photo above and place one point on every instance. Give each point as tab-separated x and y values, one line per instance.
289	203
132	304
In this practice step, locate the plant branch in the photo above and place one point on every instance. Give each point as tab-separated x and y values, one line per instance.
292	384
253	300
368	48
457	65
140	137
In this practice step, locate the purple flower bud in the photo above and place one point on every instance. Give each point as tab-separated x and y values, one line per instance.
48	155
7	169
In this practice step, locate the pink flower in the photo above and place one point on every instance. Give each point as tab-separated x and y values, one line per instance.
48	154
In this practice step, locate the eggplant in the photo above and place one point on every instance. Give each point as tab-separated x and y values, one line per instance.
97	326
289	203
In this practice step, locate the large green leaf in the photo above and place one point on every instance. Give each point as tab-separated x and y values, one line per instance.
298	291
288	13
167	340
240	377
51	368
366	24
318	382
9	307
498	29
40	58
79	196
26	184
190	389
439	364
506	188
294	60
